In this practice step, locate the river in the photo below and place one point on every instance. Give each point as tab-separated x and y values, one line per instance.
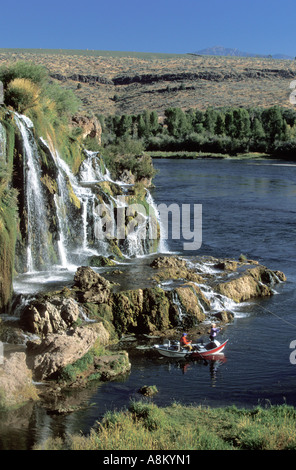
248	207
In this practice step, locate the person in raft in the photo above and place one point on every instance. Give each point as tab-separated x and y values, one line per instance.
214	331
185	343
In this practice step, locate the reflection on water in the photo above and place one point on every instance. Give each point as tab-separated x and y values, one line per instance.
249	208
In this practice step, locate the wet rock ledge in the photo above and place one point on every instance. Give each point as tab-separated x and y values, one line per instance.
71	329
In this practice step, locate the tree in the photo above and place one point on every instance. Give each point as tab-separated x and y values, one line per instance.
176	122
258	133
141	124
124	126
210	119
229	123
154	124
220	125
242	124
273	124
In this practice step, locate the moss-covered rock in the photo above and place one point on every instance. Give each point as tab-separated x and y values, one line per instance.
99	261
189	299
253	282
172	267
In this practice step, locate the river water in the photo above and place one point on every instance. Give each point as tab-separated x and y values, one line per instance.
248	207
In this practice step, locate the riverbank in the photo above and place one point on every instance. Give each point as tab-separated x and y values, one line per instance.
145	426
196	155
68	329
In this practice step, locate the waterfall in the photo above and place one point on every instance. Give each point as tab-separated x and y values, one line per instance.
218	301
2	142
38	256
177	302
65	218
61	200
69	226
162	246
91	170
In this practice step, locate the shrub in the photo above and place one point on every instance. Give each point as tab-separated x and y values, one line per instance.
66	102
27	70
22	94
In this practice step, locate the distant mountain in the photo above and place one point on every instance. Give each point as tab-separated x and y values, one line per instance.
226	51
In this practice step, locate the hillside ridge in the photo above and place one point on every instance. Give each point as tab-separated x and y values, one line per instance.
109	82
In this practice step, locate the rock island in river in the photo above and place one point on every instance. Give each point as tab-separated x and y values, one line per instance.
70	329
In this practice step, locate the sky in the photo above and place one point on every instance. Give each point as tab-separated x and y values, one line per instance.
257	26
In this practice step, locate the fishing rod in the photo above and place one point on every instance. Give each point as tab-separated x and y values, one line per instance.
275	315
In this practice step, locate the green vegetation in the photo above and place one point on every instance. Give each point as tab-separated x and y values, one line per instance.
85	366
28	90
8	213
27	85
225	131
145	426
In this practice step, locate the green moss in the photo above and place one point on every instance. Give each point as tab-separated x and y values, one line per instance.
104	313
114	248
98	261
8	218
141	311
73	198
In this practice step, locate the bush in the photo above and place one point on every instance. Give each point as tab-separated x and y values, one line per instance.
66	103
22	94
27	86
27	70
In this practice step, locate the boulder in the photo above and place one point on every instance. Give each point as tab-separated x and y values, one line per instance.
16	387
99	261
172	267
58	350
148	390
127	177
227	265
142	310
254	282
49	316
109	366
91	127
192	300
90	286
224	317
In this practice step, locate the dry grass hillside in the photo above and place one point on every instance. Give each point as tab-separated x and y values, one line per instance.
127	83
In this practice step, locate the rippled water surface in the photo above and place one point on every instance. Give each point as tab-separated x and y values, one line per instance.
248	207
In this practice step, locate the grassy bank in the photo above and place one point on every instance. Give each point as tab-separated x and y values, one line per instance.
195	155
144	426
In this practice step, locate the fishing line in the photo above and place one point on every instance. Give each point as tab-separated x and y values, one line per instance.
275	315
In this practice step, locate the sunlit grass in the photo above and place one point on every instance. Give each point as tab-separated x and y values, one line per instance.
144	426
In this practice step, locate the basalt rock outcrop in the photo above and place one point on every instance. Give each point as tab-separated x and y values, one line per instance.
90	126
178	296
90	286
43	317
256	281
55	351
177	293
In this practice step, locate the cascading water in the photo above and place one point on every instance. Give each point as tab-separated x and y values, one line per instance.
162	247
91	170
70	227
38	256
177	302
78	231
2	142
